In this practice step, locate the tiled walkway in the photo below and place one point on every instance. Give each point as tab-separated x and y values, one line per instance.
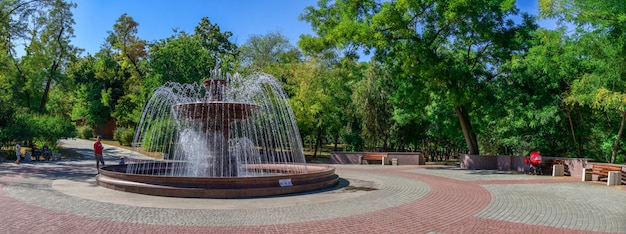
61	197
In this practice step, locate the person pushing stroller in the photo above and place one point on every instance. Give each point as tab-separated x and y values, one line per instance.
534	160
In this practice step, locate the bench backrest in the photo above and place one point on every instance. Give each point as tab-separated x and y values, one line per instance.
605	167
378	156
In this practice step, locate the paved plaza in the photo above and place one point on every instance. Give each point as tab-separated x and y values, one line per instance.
62	197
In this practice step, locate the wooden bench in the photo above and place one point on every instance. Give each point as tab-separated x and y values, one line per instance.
374	158
602	171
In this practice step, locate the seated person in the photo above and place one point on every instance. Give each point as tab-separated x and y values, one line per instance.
122	160
36	152
46	152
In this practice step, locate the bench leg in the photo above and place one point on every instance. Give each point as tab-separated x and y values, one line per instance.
558	170
586	176
615	178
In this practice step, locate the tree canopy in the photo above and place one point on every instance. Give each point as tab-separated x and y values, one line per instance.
441	76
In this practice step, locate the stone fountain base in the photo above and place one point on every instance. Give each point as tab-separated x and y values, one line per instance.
318	177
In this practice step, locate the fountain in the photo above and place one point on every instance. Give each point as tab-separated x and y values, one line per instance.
232	137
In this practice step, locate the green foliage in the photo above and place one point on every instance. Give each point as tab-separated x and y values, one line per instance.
53	128
42	129
600	41
310	100
353	139
124	135
84	132
455	51
443	74
20	128
124	98
87	105
372	100
528	107
45	29
262	52
179	59
157	137
217	43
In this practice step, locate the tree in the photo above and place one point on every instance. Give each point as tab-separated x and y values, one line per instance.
605	88
32	104
128	49
455	46
55	44
45	27
601	34
308	101
261	51
88	103
186	58
129	52
372	97
217	43
180	58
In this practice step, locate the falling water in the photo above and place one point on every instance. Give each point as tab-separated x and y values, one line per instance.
217	129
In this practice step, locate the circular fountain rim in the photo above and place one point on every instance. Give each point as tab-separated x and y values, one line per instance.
318	177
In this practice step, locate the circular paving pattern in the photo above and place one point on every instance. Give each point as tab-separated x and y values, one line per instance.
61	197
370	192
558	206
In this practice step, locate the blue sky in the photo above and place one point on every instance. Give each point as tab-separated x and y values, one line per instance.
157	18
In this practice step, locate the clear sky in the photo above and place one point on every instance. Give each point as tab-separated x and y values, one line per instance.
158	18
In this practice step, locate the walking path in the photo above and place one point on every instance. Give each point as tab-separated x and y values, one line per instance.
62	197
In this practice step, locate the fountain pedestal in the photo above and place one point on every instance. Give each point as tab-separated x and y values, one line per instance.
215	118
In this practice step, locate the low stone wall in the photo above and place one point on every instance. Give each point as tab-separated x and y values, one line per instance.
345	157
479	162
404	158
516	163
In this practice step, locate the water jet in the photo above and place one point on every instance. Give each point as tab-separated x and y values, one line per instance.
231	137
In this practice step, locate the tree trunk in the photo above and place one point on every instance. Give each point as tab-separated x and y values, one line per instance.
46	91
466	126
336	141
52	72
318	141
619	136
571	127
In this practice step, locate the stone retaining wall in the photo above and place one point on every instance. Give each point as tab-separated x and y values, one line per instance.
516	163
404	158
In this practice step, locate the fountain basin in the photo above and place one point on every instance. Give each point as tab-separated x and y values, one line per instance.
225	112
282	181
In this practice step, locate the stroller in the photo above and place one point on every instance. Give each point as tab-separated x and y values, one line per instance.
534	160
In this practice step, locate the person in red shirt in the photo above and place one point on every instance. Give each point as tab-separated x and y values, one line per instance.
97	149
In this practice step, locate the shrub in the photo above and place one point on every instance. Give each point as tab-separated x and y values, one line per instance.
53	128
124	136
84	132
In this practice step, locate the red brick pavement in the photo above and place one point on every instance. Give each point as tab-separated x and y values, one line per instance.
448	208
